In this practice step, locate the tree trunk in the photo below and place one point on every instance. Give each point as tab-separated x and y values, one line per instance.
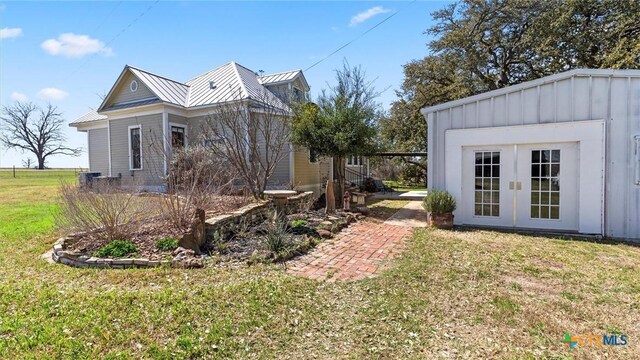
339	188
40	163
330	198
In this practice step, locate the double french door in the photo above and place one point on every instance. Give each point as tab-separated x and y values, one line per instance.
524	186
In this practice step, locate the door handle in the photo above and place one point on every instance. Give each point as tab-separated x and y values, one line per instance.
516	184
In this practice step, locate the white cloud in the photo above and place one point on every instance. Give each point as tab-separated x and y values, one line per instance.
7	33
75	46
367	14
16	96
52	94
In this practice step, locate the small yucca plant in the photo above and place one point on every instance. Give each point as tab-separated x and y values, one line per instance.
439	202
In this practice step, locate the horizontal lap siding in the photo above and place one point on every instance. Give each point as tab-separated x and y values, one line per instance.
152	150
98	150
124	94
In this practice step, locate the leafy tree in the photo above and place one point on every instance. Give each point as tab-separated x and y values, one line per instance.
27	127
481	45
342	122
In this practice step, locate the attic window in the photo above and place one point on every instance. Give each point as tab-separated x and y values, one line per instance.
133	86
212	85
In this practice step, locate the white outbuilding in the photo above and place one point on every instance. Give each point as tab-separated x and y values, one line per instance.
558	153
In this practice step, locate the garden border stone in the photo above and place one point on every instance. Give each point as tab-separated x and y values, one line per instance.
62	256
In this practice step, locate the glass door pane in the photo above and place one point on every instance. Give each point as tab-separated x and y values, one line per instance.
487	183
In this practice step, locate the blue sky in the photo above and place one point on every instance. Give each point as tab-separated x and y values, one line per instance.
69	53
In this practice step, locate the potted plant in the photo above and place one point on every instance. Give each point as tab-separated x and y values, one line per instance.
439	205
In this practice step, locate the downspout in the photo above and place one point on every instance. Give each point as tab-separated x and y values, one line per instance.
291	166
165	138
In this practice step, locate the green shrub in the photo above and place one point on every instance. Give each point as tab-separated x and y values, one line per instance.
298	223
117	249
439	202
167	244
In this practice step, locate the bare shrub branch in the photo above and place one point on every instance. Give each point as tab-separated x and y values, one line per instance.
196	179
106	210
252	136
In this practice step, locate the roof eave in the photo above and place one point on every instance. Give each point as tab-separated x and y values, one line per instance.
529	84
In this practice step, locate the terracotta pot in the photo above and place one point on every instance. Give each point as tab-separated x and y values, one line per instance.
441	221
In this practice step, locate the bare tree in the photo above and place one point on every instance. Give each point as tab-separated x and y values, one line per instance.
251	135
28	127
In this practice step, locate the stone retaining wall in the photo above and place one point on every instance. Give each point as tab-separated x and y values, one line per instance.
218	227
61	255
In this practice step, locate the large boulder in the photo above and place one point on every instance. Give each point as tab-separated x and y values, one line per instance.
195	238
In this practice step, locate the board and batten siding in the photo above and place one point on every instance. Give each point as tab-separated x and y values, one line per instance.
583	95
98	144
123	93
152	153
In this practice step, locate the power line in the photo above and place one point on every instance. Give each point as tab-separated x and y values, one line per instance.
116	36
360	36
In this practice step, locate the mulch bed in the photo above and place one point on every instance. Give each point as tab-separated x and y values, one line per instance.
145	234
249	244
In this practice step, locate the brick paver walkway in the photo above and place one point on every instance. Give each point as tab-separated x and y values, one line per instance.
355	253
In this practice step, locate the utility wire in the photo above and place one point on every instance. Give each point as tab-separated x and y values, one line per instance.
359	36
116	36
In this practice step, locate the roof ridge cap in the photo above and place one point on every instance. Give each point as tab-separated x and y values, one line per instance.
156	75
243	86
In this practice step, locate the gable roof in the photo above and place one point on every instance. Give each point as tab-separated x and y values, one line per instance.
232	82
282	77
167	90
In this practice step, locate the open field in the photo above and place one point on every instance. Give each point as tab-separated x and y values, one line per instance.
464	294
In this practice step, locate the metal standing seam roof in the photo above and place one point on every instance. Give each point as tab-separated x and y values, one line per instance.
167	90
88	117
232	81
278	77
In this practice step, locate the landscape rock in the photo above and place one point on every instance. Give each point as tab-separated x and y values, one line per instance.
195	238
325	234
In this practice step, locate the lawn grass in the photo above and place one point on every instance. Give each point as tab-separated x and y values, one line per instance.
452	294
397	186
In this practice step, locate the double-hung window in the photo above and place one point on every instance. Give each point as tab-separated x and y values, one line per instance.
177	137
135	147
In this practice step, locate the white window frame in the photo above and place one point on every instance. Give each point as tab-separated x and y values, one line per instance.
130	149
186	135
354	160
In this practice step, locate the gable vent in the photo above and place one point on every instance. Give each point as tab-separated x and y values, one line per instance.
212	85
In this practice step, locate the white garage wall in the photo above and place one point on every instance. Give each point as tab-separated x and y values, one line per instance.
577	95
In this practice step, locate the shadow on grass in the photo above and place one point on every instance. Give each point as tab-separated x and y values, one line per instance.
381	209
